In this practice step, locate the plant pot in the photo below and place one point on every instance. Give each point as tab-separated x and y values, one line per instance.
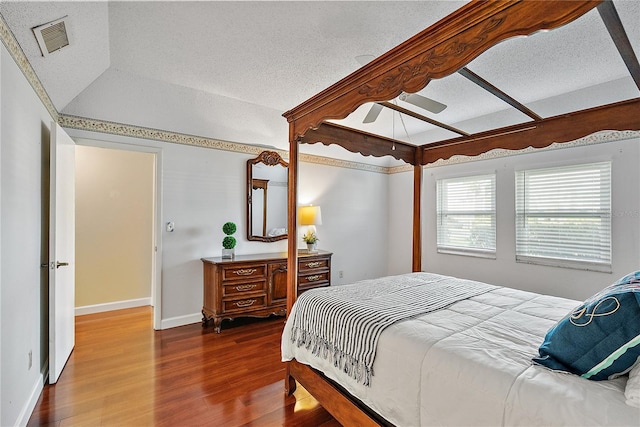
228	253
312	247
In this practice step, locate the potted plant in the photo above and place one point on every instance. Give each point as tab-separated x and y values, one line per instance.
311	240
229	242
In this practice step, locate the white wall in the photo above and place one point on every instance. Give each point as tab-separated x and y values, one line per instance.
400	225
2	56
577	284
354	218
23	198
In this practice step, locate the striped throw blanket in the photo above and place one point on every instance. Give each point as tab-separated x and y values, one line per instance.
343	323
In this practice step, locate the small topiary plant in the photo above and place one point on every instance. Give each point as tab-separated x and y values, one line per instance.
229	242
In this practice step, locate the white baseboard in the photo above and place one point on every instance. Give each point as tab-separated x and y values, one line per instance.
110	306
181	320
36	390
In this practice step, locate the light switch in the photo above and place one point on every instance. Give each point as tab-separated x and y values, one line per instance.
170	226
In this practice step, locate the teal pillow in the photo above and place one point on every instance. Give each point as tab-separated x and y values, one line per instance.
600	339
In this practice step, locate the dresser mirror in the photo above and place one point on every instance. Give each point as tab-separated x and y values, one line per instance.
267	197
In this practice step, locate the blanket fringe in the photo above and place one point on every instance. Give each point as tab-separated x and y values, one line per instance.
320	347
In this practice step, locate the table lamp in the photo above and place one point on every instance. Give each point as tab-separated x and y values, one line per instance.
310	216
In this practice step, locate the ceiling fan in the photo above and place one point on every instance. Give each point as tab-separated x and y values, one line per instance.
411	98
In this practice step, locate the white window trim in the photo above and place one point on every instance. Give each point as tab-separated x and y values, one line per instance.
478	253
565	263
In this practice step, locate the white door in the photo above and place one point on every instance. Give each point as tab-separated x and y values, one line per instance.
61	251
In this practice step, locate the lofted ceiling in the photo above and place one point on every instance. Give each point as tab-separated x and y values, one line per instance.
229	69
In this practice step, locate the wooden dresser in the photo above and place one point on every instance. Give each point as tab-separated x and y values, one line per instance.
256	285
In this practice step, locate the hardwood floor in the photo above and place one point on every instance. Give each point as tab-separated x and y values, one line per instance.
124	373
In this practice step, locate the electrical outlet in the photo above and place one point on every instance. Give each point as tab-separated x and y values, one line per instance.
30	359
341	274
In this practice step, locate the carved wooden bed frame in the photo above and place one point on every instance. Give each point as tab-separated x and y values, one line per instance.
440	50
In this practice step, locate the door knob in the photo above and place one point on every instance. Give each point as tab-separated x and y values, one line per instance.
58	264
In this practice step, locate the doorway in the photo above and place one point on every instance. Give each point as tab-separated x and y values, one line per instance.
117	255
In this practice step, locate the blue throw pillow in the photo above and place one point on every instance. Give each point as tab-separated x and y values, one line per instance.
600	339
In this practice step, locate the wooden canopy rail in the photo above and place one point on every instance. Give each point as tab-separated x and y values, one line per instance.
436	52
542	133
470	75
442	49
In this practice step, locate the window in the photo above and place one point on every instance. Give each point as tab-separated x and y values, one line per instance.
466	215
563	216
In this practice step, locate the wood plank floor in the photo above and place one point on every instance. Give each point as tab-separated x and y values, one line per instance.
124	373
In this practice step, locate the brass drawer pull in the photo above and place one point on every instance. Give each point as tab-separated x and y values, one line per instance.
314	264
245	303
244	288
314	278
245	271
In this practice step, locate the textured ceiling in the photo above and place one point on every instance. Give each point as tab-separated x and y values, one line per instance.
263	58
275	54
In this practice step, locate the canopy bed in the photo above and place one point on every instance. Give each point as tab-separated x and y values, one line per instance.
440	50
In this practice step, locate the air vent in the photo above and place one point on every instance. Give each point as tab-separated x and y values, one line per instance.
52	36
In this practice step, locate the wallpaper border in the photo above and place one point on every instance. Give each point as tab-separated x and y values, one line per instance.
101	126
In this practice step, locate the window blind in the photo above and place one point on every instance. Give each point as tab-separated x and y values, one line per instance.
466	215
563	216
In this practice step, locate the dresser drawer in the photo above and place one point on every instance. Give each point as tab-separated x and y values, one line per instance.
303	288
313	280
244	304
308	265
244	271
238	288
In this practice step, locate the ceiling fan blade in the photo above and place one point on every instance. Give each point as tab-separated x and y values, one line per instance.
422	102
373	113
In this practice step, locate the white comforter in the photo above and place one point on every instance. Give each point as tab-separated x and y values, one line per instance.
470	364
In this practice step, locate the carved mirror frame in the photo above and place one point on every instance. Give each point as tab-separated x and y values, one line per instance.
269	158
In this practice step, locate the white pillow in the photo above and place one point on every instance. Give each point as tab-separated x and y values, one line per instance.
632	391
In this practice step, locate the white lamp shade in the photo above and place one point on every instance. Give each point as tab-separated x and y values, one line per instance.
310	215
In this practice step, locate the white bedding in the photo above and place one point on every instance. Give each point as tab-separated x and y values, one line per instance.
470	364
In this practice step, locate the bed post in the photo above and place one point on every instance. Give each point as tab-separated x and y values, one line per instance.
292	221
417	224
292	237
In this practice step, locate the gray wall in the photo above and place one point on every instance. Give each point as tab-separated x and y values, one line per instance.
23	205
